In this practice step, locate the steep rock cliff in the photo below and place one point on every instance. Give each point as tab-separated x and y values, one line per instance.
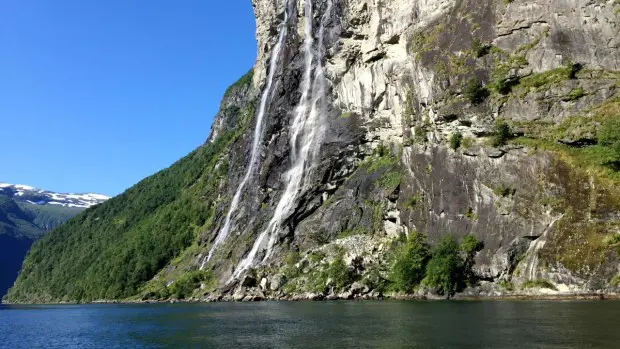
399	76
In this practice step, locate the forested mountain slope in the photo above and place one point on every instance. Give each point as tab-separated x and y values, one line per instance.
26	214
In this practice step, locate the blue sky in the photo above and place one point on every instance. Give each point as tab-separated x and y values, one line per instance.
96	95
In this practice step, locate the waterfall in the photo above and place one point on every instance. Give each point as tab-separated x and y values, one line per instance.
307	129
531	255
258	137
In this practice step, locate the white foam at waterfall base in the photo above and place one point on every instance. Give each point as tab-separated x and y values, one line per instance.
307	128
258	136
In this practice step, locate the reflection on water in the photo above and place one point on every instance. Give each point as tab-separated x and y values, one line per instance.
376	324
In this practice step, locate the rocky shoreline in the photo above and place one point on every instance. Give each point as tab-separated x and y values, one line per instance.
410	297
380	297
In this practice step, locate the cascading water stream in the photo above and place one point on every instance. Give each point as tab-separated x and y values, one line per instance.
258	137
318	121
531	260
307	128
302	107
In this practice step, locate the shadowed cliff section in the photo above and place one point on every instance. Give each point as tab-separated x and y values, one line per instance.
12	252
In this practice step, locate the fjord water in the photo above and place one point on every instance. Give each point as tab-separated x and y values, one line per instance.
373	324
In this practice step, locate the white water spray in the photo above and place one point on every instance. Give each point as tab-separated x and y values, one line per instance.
307	128
258	137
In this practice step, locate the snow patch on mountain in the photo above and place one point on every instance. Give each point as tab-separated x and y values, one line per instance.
36	196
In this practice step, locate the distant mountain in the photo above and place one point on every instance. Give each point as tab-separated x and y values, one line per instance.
26	214
28	194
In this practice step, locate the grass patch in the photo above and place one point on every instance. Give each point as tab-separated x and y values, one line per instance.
419	134
503	190
609	138
539	283
390	179
316	256
507	285
504	85
382	157
471	215
414	201
552	76
574	95
467	142
574	127
377	214
182	288
292	258
352	232
524	49
187	283
611	240
423	42
589	159
429	168
601	126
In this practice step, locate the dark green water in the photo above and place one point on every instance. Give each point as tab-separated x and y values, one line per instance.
388	324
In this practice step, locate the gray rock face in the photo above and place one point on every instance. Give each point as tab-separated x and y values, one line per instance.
276	282
505	260
397	89
583	31
358	288
239	294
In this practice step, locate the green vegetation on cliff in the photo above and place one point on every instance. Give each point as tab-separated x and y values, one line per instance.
587	168
587	142
409	263
445	268
21	223
609	138
111	250
15	221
